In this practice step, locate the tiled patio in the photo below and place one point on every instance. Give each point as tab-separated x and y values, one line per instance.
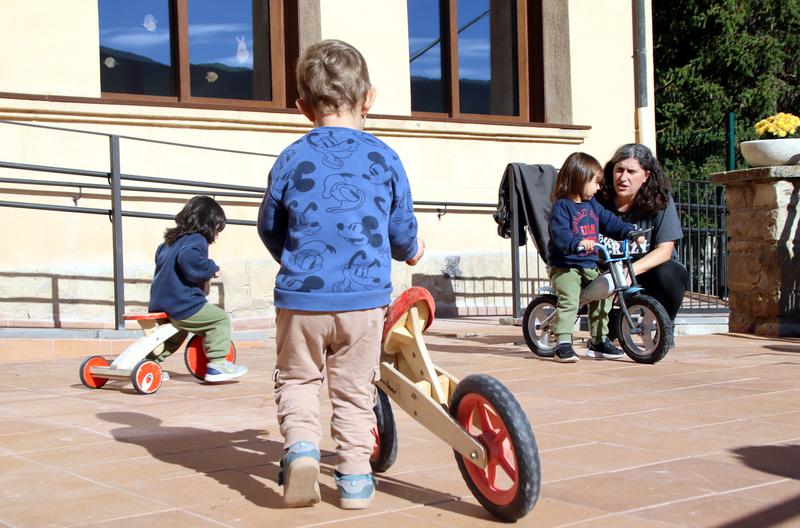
709	437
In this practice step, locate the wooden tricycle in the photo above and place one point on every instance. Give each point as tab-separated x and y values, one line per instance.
135	365
478	416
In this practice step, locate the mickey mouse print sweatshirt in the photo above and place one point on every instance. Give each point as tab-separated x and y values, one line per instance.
337	210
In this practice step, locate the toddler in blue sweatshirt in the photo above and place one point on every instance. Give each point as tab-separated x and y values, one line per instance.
577	219
180	283
336	212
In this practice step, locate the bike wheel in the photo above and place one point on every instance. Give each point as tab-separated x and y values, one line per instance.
509	485
384	453
89	379
538	324
649	340
195	357
146	376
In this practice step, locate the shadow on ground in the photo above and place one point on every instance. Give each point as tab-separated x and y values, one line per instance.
781	460
234	459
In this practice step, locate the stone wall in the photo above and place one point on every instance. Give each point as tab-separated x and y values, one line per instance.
763	250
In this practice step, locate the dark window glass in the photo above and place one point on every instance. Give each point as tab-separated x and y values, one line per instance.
229	52
425	49
487	57
135	47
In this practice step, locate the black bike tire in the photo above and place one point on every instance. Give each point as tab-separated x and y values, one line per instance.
387	433
665	329
526	332
521	438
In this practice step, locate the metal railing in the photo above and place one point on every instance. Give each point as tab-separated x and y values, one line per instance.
704	246
114	186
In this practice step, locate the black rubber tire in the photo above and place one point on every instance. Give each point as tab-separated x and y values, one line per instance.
387	434
524	451
539	306
657	341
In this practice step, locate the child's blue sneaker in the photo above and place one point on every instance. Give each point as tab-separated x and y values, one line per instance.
355	491
299	475
223	371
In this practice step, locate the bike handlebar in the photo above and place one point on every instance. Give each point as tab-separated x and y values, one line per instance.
603	250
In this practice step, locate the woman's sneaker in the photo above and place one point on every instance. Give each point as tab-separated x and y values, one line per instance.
604	350
564	353
299	475
355	491
223	371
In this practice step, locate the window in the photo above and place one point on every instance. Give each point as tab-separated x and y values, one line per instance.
135	48
194	51
469	58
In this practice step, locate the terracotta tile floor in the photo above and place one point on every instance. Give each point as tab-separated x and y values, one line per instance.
709	437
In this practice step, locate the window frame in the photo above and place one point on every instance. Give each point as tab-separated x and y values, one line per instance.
280	40
529	68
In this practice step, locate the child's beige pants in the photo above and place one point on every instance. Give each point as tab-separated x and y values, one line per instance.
348	346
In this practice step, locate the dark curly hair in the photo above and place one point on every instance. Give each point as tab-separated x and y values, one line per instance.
654	194
201	214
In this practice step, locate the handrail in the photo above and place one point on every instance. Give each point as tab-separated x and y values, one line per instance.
114	186
137	138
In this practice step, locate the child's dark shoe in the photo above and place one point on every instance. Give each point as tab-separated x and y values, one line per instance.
604	350
564	353
299	475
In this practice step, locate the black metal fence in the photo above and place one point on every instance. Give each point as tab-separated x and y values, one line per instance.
703	248
689	157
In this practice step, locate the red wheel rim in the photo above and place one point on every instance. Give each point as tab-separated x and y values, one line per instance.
94	382
376	447
196	360
148	377
499	481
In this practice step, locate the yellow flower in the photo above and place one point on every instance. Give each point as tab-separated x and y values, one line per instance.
779	125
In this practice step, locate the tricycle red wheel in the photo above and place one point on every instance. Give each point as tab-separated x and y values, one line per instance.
195	357
87	378
146	376
509	485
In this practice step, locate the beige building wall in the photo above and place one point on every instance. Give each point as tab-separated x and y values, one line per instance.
39	42
56	267
382	37
602	74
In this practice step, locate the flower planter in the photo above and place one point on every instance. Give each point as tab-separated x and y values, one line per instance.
770	152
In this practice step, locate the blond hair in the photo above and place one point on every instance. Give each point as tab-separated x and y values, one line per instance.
332	76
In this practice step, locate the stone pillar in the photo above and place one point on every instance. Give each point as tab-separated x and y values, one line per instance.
763	249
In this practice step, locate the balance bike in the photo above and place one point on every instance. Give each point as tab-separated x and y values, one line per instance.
644	329
133	364
478	416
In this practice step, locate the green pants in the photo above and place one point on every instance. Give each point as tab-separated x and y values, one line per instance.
568	283
212	323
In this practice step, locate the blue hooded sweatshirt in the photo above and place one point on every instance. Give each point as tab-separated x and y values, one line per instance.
181	270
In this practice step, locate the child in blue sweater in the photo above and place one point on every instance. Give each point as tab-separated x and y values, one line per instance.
577	219
337	210
180	284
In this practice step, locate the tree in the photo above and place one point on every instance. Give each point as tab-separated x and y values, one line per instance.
716	56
